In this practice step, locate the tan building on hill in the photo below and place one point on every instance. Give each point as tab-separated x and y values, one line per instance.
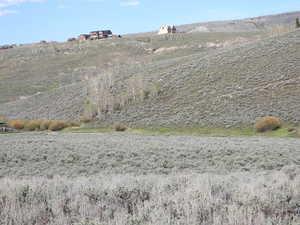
166	29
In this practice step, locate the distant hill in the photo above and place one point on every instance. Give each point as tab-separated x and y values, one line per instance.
253	24
244	25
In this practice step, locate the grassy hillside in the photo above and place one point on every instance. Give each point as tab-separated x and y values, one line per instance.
229	87
211	78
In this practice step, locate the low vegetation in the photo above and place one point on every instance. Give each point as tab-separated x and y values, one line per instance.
286	131
86	125
267	124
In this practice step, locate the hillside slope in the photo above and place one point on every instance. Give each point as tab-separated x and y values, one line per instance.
199	79
29	69
229	87
244	25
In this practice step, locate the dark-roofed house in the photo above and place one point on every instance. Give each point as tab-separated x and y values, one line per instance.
95	35
100	34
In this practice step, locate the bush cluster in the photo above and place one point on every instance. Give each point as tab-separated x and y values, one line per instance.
120	127
267	124
17	124
41	125
57	125
32	125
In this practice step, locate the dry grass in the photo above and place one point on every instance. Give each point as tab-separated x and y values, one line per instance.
243	199
57	125
17	124
267	124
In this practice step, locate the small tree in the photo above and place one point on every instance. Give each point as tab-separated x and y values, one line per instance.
297	23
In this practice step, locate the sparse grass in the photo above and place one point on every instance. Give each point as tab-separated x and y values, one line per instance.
267	124
247	131
88	130
283	132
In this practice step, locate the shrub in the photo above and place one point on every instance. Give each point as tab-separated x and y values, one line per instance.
45	124
267	124
16	124
120	127
33	125
57	125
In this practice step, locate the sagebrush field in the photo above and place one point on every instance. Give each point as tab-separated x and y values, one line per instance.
207	199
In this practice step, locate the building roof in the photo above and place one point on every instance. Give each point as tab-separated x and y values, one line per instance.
100	31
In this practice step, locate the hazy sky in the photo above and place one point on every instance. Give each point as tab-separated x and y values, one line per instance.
25	21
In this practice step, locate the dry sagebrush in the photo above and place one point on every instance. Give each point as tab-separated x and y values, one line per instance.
243	199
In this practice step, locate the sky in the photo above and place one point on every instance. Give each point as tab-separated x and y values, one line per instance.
27	21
